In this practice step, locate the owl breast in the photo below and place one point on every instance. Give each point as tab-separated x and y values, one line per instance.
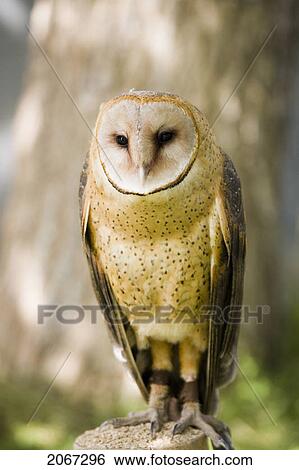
157	256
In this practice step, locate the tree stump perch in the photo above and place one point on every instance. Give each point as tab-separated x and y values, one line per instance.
139	437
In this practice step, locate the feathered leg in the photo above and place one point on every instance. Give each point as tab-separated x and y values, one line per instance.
157	412
191	415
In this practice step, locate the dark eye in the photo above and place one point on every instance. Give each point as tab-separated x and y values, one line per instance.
121	140
165	136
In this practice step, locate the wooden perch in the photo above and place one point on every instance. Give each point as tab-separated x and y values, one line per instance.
139	437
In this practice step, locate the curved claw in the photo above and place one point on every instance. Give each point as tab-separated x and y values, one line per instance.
217	441
210	426
105	424
152	416
225	444
220	445
180	426
222	429
155	427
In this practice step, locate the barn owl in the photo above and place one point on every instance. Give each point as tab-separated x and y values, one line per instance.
164	234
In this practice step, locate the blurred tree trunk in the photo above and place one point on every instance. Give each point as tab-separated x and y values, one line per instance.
199	50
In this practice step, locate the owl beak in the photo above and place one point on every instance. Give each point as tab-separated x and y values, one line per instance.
143	173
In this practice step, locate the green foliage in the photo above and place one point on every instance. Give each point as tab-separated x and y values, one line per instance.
262	407
259	415
59	419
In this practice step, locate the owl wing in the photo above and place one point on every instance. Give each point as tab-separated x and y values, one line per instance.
119	328
227	275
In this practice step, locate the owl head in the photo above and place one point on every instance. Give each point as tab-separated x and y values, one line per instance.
147	141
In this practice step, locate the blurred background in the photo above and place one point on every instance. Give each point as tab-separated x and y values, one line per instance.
58	380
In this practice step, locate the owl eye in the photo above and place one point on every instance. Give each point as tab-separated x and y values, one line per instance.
121	140
164	137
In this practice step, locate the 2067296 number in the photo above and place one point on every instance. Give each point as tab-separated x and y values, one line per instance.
76	459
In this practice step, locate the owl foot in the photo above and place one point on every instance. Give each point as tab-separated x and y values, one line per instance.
154	416
221	429
213	428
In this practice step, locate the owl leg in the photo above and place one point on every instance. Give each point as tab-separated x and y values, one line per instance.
157	412
160	382
190	358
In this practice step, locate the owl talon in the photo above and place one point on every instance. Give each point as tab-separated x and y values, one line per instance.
155	427
152	416
180	426
222	429
210	426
